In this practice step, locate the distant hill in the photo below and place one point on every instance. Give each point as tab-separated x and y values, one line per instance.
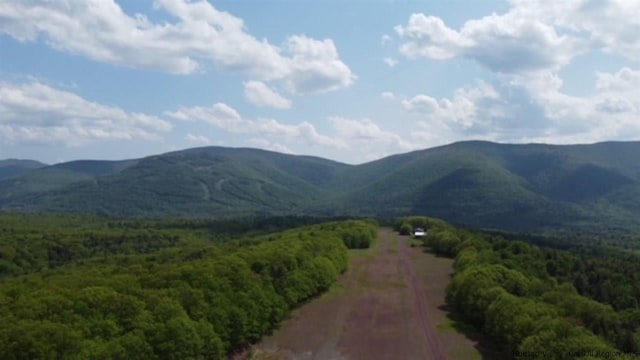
13	167
529	187
46	178
203	182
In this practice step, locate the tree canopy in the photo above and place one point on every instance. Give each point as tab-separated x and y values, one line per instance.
112	291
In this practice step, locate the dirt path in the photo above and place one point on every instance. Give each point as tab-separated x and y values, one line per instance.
388	305
422	306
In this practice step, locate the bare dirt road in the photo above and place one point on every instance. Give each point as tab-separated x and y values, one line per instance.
388	305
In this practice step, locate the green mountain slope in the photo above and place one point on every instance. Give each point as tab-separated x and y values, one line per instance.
48	178
13	167
529	187
203	182
515	187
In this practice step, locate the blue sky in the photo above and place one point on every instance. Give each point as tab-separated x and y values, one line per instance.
351	81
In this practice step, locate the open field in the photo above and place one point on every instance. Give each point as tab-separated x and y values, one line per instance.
388	305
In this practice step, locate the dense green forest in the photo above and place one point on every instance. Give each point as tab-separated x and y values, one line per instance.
102	288
541	300
93	288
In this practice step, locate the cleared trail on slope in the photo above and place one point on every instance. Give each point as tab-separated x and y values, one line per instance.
388	305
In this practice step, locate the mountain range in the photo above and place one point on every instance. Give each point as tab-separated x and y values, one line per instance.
529	187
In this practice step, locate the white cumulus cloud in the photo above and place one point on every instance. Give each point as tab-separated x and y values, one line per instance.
508	43
367	138
315	66
258	93
388	95
612	112
391	62
38	113
612	25
197	34
532	35
195	139
220	115
468	107
225	117
532	107
526	47
623	80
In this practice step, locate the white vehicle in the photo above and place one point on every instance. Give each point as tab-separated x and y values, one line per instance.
418	232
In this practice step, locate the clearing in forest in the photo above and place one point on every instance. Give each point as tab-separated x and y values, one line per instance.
390	304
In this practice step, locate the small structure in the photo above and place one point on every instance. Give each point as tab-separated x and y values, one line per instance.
418	232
